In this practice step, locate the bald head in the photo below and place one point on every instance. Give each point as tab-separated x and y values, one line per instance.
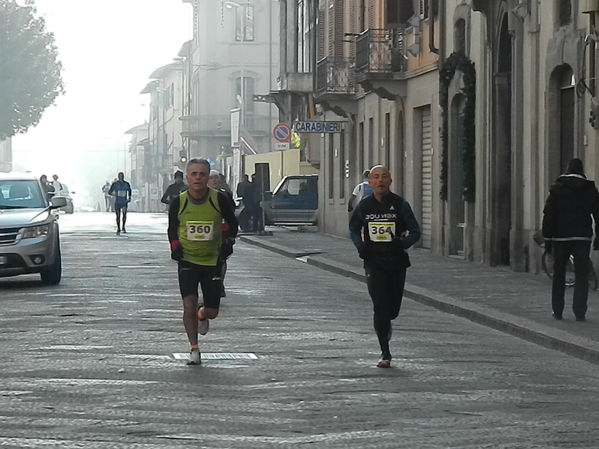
380	180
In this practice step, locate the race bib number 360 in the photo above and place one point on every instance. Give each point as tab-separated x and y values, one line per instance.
381	231
200	231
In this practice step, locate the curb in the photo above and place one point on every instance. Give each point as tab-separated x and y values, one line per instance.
523	328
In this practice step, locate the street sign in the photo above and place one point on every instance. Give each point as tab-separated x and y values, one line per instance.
281	132
280	146
318	127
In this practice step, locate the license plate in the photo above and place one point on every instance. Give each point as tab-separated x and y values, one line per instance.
3	260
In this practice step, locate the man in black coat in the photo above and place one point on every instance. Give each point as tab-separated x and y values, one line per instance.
568	230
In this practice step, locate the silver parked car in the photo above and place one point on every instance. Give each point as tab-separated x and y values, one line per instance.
29	235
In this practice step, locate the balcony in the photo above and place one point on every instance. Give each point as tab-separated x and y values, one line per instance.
335	85
334	76
198	126
381	61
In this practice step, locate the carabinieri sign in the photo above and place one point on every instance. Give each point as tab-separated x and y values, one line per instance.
318	127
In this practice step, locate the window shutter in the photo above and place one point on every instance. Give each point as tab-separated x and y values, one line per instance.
321	34
339	28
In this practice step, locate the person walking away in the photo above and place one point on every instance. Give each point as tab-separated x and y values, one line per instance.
48	187
174	189
360	191
243	187
382	228
121	191
568	230
196	236
56	184
216	182
107	197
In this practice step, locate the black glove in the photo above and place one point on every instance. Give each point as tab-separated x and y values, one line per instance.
548	246
362	250
596	244
176	251
398	244
227	248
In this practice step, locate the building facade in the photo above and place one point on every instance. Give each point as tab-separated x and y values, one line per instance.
230	60
164	145
476	106
376	72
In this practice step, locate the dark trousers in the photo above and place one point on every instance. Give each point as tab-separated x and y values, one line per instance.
385	287
579	249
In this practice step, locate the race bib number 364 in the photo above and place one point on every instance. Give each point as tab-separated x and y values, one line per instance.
381	231
200	231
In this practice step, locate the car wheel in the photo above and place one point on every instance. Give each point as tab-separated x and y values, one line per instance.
52	274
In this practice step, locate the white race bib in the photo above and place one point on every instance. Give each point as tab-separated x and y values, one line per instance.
200	231
121	193
381	231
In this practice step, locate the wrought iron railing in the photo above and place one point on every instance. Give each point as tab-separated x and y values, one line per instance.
335	76
381	51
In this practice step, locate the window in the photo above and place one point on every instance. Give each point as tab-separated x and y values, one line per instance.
564	12
406	10
342	165
424	12
331	138
244	23
459	36
244	94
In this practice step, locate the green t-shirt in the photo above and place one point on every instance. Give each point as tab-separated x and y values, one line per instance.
200	229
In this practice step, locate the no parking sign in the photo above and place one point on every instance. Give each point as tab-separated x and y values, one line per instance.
282	134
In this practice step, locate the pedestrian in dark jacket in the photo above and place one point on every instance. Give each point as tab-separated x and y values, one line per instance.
382	227
568	230
173	190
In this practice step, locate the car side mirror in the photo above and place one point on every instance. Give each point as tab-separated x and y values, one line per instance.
58	202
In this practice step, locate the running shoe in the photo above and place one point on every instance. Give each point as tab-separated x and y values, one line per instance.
195	358
385	361
203	326
124	231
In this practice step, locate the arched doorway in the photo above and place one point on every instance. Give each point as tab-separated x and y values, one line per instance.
562	111
502	149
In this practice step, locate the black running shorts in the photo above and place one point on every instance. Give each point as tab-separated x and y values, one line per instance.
208	278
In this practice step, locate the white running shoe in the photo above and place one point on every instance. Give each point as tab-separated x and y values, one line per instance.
195	357
203	326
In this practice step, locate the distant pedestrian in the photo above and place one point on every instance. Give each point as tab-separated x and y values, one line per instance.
382	227
48	188
107	196
361	191
56	184
121	190
195	236
568	230
174	189
243	186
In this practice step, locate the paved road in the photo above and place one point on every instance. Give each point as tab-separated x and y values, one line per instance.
90	363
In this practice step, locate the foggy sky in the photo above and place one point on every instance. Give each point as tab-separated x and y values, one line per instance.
108	49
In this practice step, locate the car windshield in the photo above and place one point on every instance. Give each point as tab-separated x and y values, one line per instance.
20	194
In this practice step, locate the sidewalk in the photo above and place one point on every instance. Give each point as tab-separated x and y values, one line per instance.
515	303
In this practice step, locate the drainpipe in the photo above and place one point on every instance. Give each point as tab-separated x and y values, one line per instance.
431	27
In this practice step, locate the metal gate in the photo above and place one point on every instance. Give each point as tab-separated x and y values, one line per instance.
426	199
